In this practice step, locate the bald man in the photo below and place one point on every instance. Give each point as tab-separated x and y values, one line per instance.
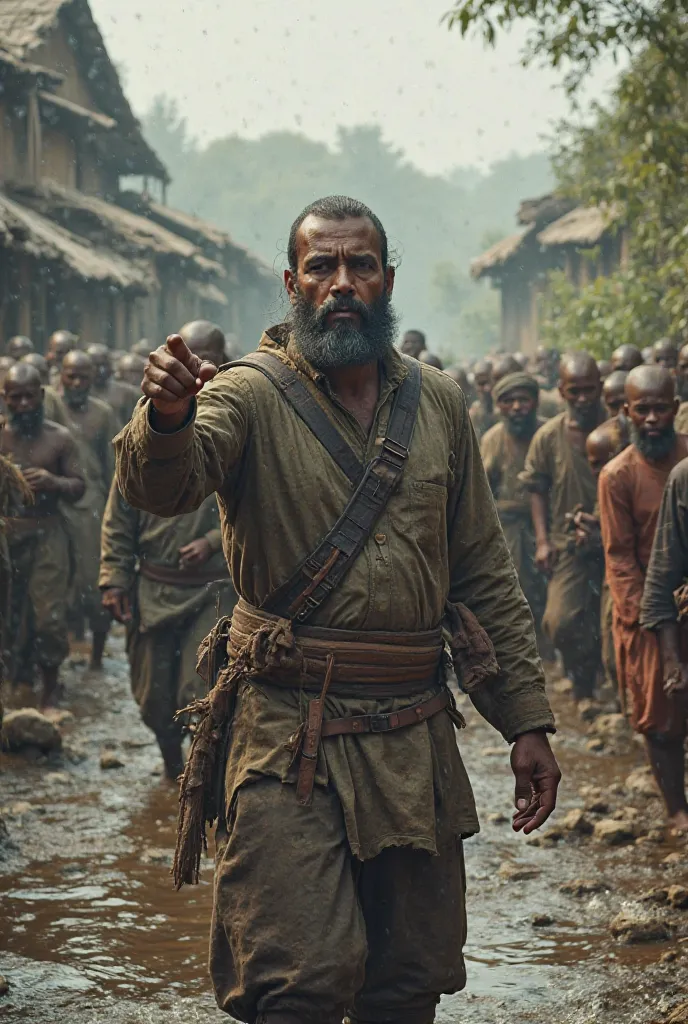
665	353
630	494
614	392
482	411
459	375
561	483
59	344
19	346
605	367
46	454
118	394
93	426
130	369
626	358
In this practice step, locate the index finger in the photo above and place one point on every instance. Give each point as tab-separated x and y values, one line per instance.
178	348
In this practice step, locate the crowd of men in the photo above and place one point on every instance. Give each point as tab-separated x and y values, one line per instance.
577	453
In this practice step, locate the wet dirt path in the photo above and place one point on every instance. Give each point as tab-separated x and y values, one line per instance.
91	930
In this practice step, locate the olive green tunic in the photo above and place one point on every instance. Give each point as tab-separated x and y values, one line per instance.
279	493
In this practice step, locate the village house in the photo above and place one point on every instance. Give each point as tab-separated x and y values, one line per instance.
77	249
556	234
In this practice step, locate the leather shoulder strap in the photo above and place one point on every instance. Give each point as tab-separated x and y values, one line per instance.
326	567
302	402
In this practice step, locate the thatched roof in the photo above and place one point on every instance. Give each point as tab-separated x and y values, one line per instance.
499	254
26	230
583	226
543	210
25	26
112	225
208	291
9	64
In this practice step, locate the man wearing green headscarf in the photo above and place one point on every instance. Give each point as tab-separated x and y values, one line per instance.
504	448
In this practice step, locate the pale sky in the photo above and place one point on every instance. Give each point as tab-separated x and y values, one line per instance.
255	66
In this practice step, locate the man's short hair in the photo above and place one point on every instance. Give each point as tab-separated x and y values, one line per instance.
336	208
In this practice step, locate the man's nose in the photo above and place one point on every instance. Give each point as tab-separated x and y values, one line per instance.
342	283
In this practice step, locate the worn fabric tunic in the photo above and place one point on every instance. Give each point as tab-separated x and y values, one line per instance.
439	538
630	493
668	565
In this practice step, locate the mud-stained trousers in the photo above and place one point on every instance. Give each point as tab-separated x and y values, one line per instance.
304	933
572	617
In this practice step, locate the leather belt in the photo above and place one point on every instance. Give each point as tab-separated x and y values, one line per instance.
180	577
358	724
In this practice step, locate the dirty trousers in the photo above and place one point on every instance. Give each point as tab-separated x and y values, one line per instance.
83	530
572	617
304	933
37	632
162	664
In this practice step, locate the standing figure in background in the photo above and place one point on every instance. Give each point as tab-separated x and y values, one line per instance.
93	426
46	454
130	369
482	413
504	448
19	346
614	392
630	493
682	391
15	493
665	353
626	358
59	344
413	343
119	394
561	484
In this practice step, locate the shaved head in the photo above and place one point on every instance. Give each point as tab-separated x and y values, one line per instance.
626	357
24	374
580	387
205	339
19	346
503	366
76	359
578	364
77	378
664	353
614	391
40	363
644	380
600	447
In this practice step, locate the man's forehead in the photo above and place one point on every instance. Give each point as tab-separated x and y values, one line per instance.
316	234
649	393
578	379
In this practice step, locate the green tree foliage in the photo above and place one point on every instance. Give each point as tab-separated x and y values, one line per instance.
630	157
255	187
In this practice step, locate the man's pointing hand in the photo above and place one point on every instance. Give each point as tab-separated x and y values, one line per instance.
172	378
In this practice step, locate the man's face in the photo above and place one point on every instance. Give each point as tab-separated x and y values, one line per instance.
340	293
57	350
598	457
102	369
483	382
19	346
518	409
412	345
77	381
652	413
665	355
614	399
581	392
24	402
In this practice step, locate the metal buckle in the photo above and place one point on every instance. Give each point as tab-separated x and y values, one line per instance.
390	445
379	723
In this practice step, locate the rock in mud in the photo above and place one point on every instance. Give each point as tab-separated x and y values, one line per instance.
589	710
613	833
541	920
641	783
110	759
609	727
675	896
4	985
576	821
517	872
679	1015
156	855
595	745
27	728
497	818
60	716
583	887
632	926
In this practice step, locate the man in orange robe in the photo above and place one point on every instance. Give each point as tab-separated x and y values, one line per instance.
630	494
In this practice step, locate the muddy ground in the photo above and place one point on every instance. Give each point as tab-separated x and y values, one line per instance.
91	929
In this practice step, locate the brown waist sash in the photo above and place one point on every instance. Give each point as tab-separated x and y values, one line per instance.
181	577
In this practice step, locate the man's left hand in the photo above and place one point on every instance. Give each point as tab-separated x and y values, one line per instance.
40	479
196	553
537	780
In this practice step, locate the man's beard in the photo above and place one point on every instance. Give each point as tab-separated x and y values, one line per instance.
654	448
343	344
28	423
584	418
523	426
76	398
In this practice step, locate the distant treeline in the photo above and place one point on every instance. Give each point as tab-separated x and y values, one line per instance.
436	224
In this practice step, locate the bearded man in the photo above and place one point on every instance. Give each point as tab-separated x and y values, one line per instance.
118	394
46	454
93	426
59	344
339	888
630	493
504	448
482	411
561	484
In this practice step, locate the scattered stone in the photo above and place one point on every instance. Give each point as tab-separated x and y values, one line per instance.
156	855
57	778
641	783
28	728
498	818
583	887
675	896
595	745
610	727
137	744
110	759
632	926
541	920
562	686
674	858
576	821
625	814
4	985
510	872
679	1015
612	832
494	751
670	957
597	805
60	716
74	753
17	809
589	709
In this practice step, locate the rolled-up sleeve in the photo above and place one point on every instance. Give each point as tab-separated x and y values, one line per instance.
668	566
169	474
482	577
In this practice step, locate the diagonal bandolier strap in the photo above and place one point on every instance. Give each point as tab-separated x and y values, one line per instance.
317	576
